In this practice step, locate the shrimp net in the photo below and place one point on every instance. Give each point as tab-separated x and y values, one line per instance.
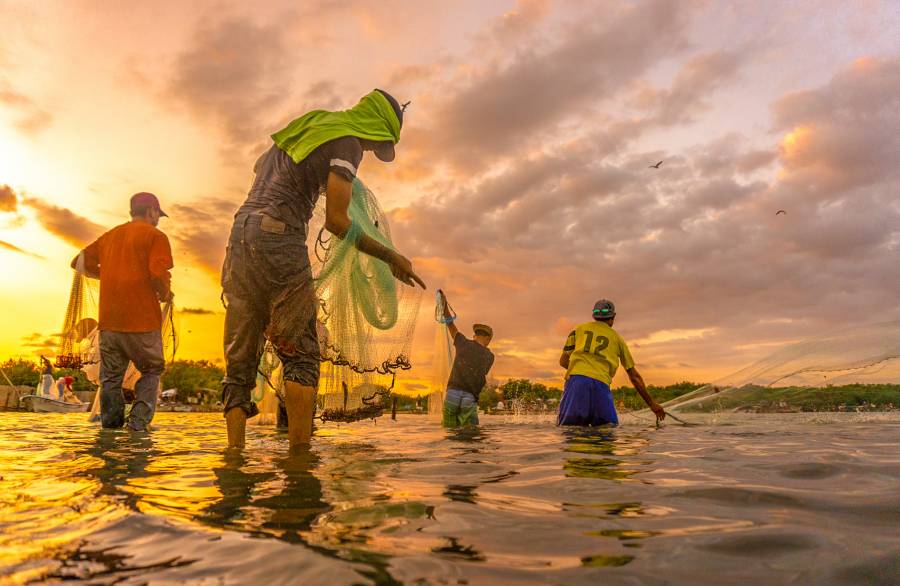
365	317
856	358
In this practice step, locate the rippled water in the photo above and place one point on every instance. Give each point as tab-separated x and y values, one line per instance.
769	499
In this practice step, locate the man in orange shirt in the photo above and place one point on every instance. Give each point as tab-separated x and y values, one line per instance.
132	262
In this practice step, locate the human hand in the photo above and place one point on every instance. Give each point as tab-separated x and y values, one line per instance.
401	267
658	410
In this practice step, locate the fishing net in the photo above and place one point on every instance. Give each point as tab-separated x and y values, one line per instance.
866	354
269	389
79	323
365	317
443	356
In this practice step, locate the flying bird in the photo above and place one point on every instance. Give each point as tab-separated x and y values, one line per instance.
781	212
656	166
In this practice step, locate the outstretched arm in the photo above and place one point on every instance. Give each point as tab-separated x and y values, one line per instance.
451	325
337	200
638	381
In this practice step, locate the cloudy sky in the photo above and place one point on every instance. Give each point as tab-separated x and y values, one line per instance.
521	184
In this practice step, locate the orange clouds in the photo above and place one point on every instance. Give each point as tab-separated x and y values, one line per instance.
794	144
8	200
71	227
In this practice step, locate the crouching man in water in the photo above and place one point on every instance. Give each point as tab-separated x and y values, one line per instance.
591	357
267	280
133	262
467	376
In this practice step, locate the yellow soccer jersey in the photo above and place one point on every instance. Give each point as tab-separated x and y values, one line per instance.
596	351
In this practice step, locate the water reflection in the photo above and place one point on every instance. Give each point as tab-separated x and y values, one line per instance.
596	442
123	457
455	549
407	501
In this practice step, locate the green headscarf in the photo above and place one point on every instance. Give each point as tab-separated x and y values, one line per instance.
372	118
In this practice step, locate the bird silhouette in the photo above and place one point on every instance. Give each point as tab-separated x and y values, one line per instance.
781	212
656	166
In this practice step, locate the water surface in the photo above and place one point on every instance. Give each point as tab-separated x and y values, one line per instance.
766	498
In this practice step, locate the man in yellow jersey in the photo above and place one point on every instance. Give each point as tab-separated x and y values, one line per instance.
591	357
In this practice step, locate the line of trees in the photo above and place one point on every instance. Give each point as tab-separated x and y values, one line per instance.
192	378
28	373
195	378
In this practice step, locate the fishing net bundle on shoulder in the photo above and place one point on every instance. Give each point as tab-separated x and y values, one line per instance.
365	319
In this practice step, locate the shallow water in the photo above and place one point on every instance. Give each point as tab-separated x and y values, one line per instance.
764	498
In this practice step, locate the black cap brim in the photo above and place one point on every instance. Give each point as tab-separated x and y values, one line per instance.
385	151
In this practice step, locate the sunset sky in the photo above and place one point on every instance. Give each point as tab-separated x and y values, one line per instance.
521	184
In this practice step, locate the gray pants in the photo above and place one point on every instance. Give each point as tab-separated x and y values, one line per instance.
116	350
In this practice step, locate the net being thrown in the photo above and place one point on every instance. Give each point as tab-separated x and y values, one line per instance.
365	317
443	355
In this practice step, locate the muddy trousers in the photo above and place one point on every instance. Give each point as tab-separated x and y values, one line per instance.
268	290
145	350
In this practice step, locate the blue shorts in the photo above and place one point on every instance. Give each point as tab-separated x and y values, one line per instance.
460	409
586	401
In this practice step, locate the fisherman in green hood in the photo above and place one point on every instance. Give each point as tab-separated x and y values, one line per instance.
267	267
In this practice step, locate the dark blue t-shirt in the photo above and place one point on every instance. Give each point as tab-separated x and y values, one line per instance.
471	365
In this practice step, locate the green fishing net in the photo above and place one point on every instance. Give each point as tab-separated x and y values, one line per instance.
365	317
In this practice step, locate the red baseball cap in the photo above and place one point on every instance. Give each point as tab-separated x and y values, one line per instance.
146	201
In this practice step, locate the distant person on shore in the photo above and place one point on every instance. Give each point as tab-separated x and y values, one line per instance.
133	261
470	367
46	377
591	356
267	269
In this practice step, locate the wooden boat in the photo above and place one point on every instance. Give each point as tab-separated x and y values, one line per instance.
40	404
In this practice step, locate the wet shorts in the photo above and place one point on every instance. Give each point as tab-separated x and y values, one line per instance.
586	401
460	409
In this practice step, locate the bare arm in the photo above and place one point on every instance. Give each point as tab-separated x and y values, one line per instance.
564	359
88	261
337	221
451	325
159	264
638	382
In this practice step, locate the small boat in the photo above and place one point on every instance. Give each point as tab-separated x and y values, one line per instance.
40	404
